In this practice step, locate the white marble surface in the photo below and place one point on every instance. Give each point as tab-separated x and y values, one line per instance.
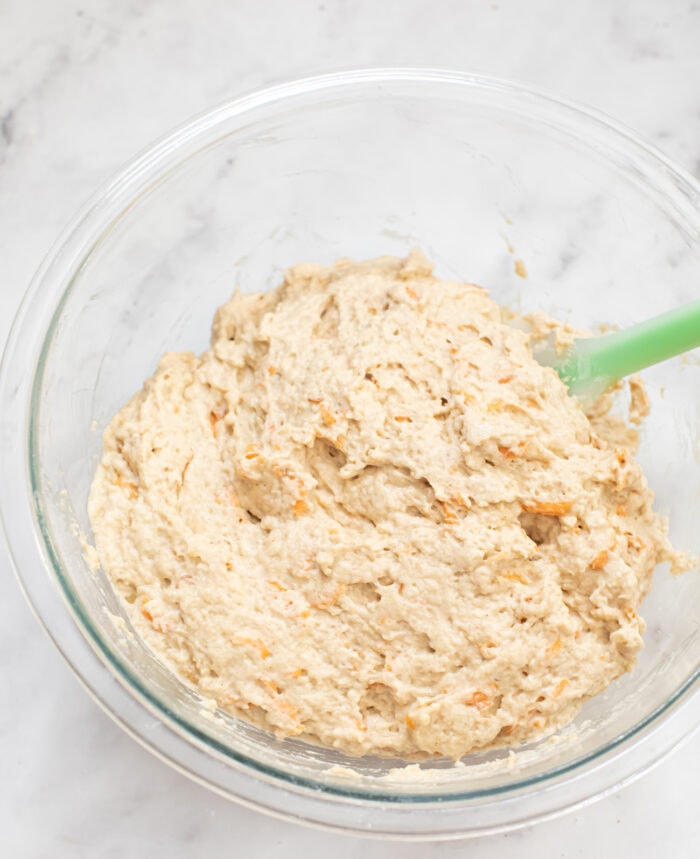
85	85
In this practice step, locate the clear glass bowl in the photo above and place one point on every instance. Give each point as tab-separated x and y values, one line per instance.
476	172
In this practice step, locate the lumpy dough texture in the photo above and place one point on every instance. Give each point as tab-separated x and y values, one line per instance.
369	517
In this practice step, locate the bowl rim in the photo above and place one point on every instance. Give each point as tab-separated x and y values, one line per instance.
19	390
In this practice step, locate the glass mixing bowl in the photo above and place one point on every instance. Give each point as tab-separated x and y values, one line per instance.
493	182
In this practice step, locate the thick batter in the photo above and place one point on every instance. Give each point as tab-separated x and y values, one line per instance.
368	516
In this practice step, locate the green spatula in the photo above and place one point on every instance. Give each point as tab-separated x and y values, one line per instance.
591	364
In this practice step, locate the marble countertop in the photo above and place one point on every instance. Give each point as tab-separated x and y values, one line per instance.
83	86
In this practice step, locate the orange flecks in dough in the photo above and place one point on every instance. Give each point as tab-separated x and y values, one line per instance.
146	613
403	419
448	515
215	416
299	672
412	293
300	507
331	600
410	724
512	576
635	542
327	415
227	496
257	643
554	647
621	454
519	267
400	587
372	311
276	584
561	685
468	399
505	379
360	725
496	406
628	612
131	488
600	560
264	652
548	508
251	452
272	370
286	707
282	705
478	699
510	453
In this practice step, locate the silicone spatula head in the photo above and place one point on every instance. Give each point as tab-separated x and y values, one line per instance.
591	364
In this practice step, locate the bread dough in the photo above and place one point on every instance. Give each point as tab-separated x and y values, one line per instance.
368	516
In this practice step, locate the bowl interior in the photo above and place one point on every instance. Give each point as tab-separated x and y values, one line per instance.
476	176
